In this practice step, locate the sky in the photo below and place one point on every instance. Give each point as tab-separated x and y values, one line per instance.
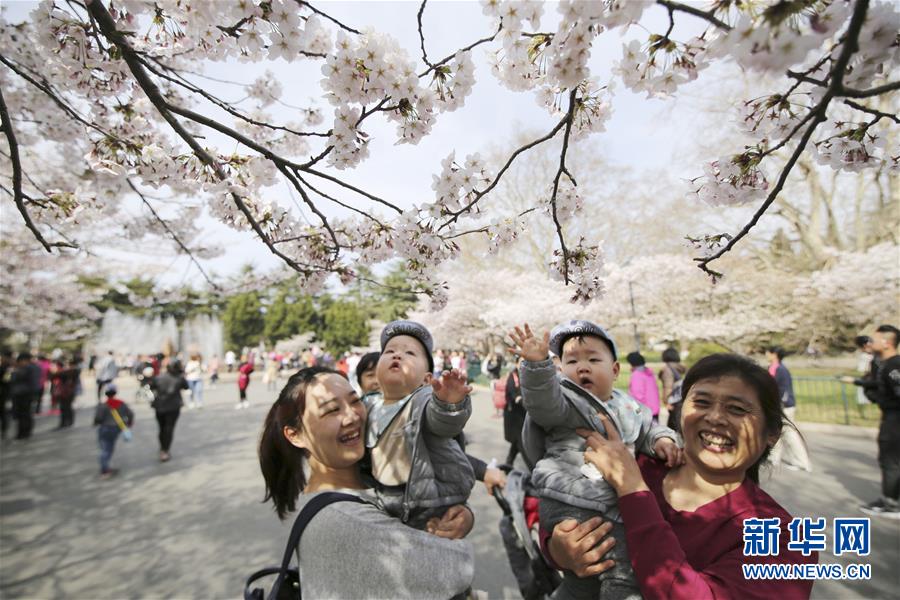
649	136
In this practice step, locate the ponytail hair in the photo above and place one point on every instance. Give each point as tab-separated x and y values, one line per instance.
281	462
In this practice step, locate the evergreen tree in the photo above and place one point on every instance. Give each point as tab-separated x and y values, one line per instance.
288	316
243	320
345	325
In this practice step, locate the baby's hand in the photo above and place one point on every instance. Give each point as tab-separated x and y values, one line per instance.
451	387
529	347
667	449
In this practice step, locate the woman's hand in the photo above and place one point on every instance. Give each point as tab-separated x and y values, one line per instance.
580	548
494	478
454	525
613	459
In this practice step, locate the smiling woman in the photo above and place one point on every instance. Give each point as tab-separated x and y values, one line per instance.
349	549
684	526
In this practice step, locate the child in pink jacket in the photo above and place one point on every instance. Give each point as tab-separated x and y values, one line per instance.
642	386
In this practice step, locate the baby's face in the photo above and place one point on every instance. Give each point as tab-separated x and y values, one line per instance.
402	367
589	362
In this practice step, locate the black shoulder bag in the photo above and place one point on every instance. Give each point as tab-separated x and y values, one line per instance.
287	584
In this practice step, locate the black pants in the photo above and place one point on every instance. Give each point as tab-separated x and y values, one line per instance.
889	456
101	385
66	414
22	410
37	400
166	422
514	450
4	417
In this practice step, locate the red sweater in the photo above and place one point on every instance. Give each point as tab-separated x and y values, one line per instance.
698	555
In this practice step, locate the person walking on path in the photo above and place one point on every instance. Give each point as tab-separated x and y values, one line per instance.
888	400
213	368
244	382
167	403
45	366
513	415
106	373
671	376
64	383
642	385
24	385
193	374
790	449
111	418
6	370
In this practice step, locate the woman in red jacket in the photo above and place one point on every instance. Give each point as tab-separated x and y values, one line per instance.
685	526
244	371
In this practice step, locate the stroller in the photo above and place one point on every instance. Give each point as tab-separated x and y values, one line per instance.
518	528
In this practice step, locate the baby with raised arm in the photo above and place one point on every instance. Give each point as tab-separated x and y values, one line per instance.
581	396
414	429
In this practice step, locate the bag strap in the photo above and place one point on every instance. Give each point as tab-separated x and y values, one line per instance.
306	515
118	419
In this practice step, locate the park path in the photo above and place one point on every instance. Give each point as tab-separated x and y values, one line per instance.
195	527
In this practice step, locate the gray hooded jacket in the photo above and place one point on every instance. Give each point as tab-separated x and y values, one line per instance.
556	407
440	475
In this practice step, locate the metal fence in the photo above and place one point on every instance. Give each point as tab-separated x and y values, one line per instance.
829	400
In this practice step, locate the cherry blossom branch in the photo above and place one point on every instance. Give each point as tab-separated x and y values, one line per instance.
171	233
450	57
454	216
562	169
851	46
17	179
353	188
703	14
338	202
422	35
226	106
872	111
875	91
327	16
108	27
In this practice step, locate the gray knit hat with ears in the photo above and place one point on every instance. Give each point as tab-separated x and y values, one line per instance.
562	332
411	328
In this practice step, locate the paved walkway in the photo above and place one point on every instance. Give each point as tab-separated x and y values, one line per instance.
195	527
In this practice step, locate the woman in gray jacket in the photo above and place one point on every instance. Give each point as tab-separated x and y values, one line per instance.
312	441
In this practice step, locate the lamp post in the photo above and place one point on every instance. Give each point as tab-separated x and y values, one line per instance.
637	337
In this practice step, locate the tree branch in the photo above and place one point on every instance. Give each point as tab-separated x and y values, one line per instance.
174	236
875	91
327	16
562	169
872	111
708	16
479	195
851	45
422	35
108	27
17	178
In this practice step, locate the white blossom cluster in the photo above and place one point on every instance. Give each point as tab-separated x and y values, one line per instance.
779	35
568	201
80	74
503	231
659	66
854	147
731	181
457	184
583	267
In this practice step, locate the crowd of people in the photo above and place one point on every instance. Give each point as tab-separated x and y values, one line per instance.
622	496
624	500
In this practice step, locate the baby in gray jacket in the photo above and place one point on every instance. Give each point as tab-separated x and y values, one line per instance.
557	405
412	450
